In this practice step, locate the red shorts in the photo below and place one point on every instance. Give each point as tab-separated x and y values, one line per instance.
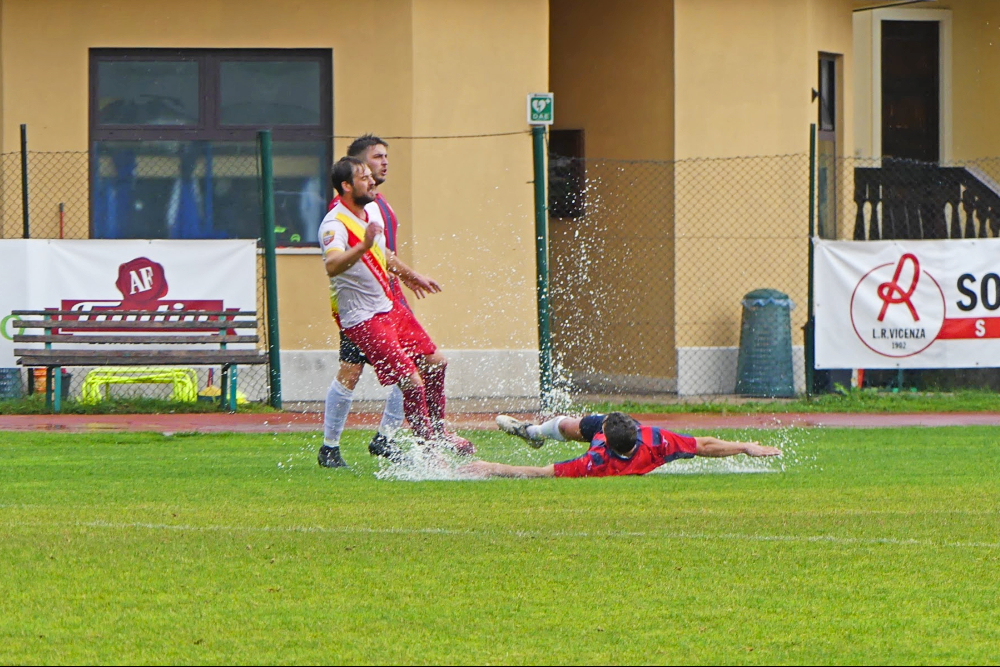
391	341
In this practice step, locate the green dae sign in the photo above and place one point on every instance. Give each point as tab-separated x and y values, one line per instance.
540	109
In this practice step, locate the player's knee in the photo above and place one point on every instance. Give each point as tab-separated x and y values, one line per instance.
436	361
349	374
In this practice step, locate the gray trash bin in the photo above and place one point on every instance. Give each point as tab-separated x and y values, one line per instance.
765	366
10	383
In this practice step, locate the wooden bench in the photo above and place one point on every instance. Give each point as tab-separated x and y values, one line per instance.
127	337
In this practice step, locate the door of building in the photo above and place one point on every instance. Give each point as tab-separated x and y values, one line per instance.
911	105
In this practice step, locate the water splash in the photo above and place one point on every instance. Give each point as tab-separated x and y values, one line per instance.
788	439
709	466
422	463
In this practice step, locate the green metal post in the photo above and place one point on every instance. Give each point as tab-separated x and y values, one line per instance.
25	209
270	268
810	337
542	266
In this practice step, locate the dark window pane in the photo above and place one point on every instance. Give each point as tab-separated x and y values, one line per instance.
265	94
827	95
566	173
205	190
147	92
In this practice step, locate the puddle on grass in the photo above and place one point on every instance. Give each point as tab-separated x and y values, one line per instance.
419	463
788	440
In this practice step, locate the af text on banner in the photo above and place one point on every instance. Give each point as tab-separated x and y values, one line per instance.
96	278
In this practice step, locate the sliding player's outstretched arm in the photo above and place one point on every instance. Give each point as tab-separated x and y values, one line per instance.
716	448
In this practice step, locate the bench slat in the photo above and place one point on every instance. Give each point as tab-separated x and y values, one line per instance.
136	357
92	313
145	326
99	339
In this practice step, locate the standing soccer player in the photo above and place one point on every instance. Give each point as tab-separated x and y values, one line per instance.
374	151
385	330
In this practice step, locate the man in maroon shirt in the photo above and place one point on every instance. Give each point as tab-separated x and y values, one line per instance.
619	445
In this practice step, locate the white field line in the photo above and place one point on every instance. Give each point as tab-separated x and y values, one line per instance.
765	513
700	537
695	512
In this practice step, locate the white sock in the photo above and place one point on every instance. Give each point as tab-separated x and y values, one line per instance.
338	406
392	414
549	430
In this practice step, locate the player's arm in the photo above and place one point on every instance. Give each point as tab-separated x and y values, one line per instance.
716	448
490	469
420	284
337	260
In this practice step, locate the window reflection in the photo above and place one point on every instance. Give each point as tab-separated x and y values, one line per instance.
147	92
268	93
204	190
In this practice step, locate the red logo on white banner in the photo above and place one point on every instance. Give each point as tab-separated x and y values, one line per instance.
143	284
898	309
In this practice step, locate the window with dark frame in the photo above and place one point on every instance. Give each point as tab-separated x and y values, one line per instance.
827	94
566	173
173	141
826	148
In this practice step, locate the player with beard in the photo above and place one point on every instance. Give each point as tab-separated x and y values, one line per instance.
374	151
389	336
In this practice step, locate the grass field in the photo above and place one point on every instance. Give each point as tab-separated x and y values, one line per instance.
860	546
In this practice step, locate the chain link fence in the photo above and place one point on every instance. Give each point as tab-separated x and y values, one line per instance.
651	261
158	192
659	269
663	273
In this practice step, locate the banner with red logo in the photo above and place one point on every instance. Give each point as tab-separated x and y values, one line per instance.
907	304
96	278
13	292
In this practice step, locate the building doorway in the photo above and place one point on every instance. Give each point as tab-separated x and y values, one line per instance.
911	104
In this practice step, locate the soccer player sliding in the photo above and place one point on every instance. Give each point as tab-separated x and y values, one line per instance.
619	445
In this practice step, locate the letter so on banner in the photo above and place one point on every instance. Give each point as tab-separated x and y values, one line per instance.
907	304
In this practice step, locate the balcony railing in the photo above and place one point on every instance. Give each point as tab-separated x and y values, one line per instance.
912	200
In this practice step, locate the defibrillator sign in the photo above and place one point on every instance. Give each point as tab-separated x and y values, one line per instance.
540	109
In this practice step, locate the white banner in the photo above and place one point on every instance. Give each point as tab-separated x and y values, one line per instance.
907	304
92	276
13	293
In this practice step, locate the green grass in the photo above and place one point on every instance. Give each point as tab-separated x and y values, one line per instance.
854	400
871	546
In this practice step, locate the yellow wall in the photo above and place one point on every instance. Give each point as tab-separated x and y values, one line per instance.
743	77
611	70
744	72
401	68
474	64
975	77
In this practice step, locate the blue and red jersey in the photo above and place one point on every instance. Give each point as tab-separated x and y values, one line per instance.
656	447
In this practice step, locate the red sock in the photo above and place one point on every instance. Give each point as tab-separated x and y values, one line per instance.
415	409
434	385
